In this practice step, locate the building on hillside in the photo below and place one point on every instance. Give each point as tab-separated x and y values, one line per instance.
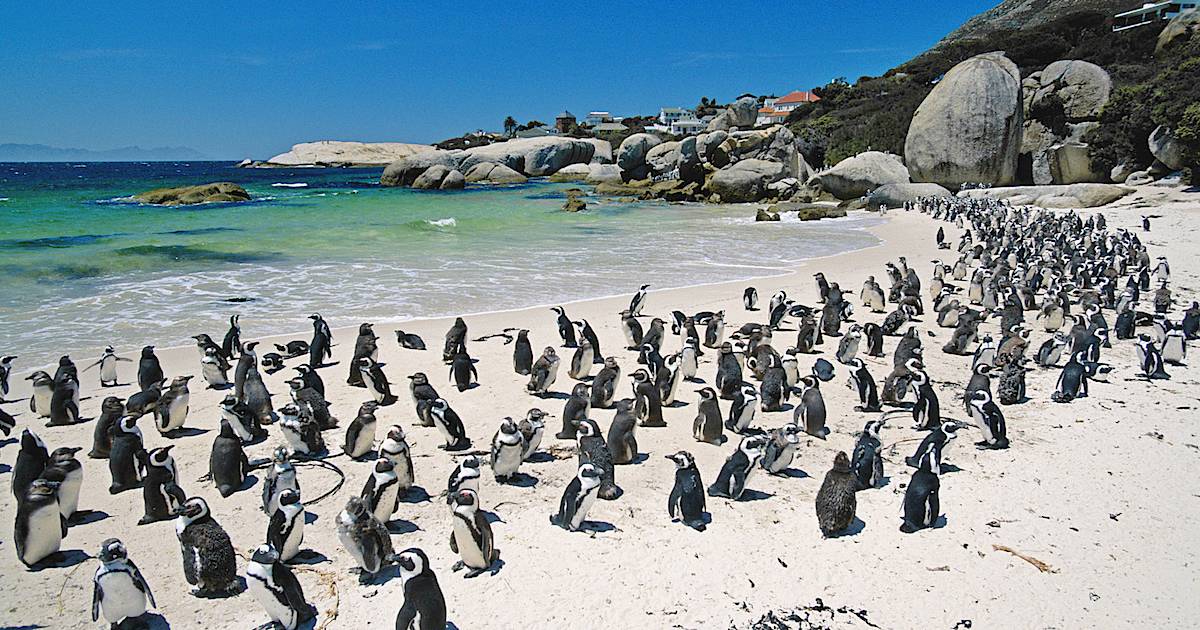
1150	13
609	127
668	115
774	111
564	122
597	118
686	127
537	132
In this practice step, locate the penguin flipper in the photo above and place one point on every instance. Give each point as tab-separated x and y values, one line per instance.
453	543
97	595
140	583
673	500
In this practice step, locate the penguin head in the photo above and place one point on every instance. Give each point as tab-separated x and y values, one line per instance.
210	352
229	402
295	383
128	424
983	369
581	390
873	427
192	510
790	433
161	457
412	562
707	393
466	498
588	428
112	404
841	462
980	397
264	554
752	446
419	378
396	433
549	353
315	317
280	454
508	427
368	408
588	471
112	549
470	462
384	465
289	496
147	352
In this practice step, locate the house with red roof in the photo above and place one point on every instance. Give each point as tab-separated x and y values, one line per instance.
775	110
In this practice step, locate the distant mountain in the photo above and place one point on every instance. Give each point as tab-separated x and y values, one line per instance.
1019	15
43	153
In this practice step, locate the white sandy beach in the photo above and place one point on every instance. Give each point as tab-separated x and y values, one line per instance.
1099	489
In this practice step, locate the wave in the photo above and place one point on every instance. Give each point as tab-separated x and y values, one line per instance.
447	222
290	185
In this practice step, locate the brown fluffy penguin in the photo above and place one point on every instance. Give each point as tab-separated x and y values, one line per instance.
835	500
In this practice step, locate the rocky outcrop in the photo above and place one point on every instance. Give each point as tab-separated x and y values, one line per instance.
454	180
531	156
631	155
856	176
745	181
712	149
604	150
1054	196
765	215
969	127
806	211
439	177
340	153
406	171
663	158
896	195
1180	25
603	174
572	173
741	114
1061	104
575	202
489	173
219	192
1081	89
1166	148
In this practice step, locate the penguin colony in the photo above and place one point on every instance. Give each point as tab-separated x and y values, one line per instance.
1021	269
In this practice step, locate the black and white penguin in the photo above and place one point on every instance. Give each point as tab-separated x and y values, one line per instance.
874	336
395	449
929	452
172	408
1072	381
285	530
246	362
119	591
566	329
423	394
989	419
276	589
272	362
774	389
921	503
577	499
622	434
424	606
382	490
810	413
927	410
462	371
632	330
111	411
321	346
376	381
780	449
714	331
211	368
750	299
639	301
743	408
32	459
587	334
532	427
1191	322
731	481
244	423
257	399
365	345
281	476
522	354
604	385
652	340
231	344
145	401
409	341
450	426
227	464
311	379
456	339
39	527
360	434
108	366
161	494
124	460
581	361
577	408
471	537
594	450
364	537
647	400
1051	350
980	380
5	372
64	400
65	470
729	372
867	462
863	384
465	476
687	494
149	370
707	427
1150	359
209	563
836	501
508	451
544	373
1174	347
311	405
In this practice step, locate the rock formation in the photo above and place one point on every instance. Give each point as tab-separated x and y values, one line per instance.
219	192
855	176
1055	196
1061	104
340	153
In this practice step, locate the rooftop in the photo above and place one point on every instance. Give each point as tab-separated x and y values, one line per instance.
797	97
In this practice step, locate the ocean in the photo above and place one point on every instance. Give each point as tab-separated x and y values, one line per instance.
85	266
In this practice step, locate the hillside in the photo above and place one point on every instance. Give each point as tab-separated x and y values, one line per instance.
44	153
1018	15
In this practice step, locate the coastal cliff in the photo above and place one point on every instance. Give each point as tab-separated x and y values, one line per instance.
341	153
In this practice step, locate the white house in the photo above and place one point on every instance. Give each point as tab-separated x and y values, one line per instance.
596	118
775	110
687	127
1149	13
668	115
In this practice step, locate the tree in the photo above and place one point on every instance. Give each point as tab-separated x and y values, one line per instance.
510	126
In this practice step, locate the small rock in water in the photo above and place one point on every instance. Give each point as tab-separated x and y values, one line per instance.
574	202
238	300
764	215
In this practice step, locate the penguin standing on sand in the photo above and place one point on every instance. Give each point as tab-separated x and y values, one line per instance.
508	450
989	419
464	477
632	329
423	394
471	537
456	340
687	495
1072	381
1150	359
64	401
364	537
39	527
593	450
544	373
5	373
360	435
209	563
774	389
149	371
750	299
172	408
729	372
929	452
462	371
111	411
648	400
714	331
622	434
126	456
522	354
581	361
731	481
863	384
227	463
743	408
836	501
161	494
566	329
321	346
638	301
382	490
276	589
32	459
780	449
707	425
214	370
247	362
281	476
365	345
119	591
231	345
586	333
244	423
285	530
311	405
576	409
450	426
108	367
376	381
867	463
257	398
577	499
424	605
921	502
604	386
395	449
810	413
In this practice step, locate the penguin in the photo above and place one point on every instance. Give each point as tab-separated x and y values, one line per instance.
450	426
126	456
423	394
32	459
743	408
1191	322
1072	381
1011	389
281	476
810	413
836	501
750	299
311	405
867	462
161	494
456	339
39	527
204	343
648	400
227	463
848	346
364	537
172	408
395	449
929	452
544	373
119	591
149	371
1050	351
364	346
213	370
532	427
285	530
508	450
145	401
321	346
577	499
5	372
581	362
247	362
276	589
64	401
231	344
257	399
111	411
593	450
774	389
586	333
714	331
731	481
874	335
376	381
708	423
1149	359
604	386
382	490
780	449
522	354
360	435
409	341
652	340
921	503
566	329
471	537
108	367
576	409
729	372
622	439
989	419
897	318
687	494
980	380
1174	348
639	301
209	563
863	384
311	379
244	423
424	605
464	477
985	353
632	329
64	469
927	410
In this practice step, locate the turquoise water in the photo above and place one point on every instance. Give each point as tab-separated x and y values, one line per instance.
84	266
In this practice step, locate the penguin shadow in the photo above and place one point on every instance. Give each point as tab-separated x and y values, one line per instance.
749	496
249	482
416	494
450	626
7	441
596	527
61	560
639	458
401	526
793	473
275	370
522	480
310	517
4	468
675	404
221	387
856	527
555	396
308	556
381	577
183	432
87	517
239	589
950	468
151	621
468	388
539	457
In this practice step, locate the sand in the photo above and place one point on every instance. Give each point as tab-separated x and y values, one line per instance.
1099	490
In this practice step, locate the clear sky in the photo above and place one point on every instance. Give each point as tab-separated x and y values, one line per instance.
249	79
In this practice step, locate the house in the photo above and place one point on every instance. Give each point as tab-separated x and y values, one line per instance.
609	127
668	115
537	132
564	122
686	127
1149	13
774	111
597	118
770	116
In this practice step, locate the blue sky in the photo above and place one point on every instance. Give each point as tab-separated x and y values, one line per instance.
243	79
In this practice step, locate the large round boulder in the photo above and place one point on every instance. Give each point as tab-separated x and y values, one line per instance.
432	178
572	173
1166	148
406	171
532	156
604	150
743	112
454	180
969	127
491	173
663	158
896	195
604	174
708	147
1179	26
856	176
631	155
746	180
1082	88
218	192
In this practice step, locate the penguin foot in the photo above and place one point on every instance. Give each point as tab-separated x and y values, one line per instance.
563	435
474	573
908	528
654	425
458	566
